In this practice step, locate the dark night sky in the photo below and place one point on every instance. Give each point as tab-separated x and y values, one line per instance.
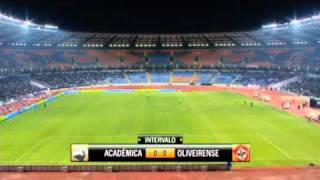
155	16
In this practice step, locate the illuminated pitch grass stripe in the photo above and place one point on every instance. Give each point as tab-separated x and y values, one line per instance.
115	91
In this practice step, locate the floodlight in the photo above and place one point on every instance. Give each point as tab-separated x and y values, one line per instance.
295	22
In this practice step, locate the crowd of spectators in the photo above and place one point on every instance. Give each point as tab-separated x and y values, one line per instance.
306	86
71	79
263	78
19	86
16	87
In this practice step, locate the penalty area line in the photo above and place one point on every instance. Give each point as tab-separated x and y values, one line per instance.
275	146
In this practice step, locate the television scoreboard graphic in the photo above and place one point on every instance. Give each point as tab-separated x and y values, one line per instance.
155	148
156	139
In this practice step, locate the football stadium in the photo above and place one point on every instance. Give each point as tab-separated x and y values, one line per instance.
256	92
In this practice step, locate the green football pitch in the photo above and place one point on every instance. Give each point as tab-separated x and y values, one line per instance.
43	135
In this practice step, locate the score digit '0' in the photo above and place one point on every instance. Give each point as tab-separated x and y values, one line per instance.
160	153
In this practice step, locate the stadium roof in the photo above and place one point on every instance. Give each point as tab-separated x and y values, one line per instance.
19	33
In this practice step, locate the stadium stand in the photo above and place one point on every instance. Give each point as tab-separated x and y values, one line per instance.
182	73
225	78
16	87
75	78
184	76
137	77
262	79
206	77
249	58
308	86
117	78
160	76
299	58
71	79
54	59
159	59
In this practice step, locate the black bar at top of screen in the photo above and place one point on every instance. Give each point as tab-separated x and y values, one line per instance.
160	139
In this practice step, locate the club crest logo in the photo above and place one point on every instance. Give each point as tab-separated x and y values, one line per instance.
241	152
79	153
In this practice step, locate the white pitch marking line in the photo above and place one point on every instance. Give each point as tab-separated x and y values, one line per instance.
279	149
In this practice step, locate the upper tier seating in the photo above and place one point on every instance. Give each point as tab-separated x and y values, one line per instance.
63	59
